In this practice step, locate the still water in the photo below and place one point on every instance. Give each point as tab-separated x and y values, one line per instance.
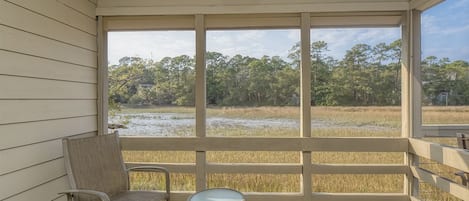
181	124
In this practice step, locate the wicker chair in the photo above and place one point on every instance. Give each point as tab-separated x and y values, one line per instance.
463	143
97	172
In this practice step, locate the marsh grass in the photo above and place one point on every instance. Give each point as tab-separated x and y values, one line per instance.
256	182
379	116
253	157
255	112
355	117
363	183
445	115
358	157
239	131
159	156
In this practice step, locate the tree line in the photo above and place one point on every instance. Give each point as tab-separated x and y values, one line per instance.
366	75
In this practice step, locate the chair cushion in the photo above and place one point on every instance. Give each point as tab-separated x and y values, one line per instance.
139	196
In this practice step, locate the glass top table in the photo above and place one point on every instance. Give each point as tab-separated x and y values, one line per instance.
217	194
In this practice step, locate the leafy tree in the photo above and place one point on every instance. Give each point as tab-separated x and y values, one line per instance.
367	75
125	78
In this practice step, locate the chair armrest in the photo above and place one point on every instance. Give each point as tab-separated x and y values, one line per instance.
464	179
155	169
102	196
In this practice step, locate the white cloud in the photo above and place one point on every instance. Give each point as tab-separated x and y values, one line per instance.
433	25
455	30
445	28
457	4
340	40
150	44
255	43
459	53
237	42
430	24
293	35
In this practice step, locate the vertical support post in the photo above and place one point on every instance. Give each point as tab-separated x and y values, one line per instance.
411	91
405	76
416	74
200	101
102	77
305	105
405	94
416	92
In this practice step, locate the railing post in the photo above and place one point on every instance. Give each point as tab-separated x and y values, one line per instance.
200	105
306	180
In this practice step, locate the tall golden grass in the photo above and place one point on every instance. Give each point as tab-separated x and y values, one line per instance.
387	117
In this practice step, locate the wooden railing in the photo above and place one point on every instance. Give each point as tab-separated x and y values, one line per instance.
449	156
304	145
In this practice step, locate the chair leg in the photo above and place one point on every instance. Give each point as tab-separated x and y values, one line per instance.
69	197
464	178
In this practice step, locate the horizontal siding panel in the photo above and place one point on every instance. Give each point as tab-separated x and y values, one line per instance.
26	179
14	135
60	12
21	157
48	82
27	88
29	66
20	18
36	110
45	192
27	43
83	6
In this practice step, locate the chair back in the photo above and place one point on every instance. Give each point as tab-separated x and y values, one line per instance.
95	163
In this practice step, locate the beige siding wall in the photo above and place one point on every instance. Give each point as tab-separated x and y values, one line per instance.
48	90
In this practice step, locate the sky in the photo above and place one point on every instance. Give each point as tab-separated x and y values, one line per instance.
445	33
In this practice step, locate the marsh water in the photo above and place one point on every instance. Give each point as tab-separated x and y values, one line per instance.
183	124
